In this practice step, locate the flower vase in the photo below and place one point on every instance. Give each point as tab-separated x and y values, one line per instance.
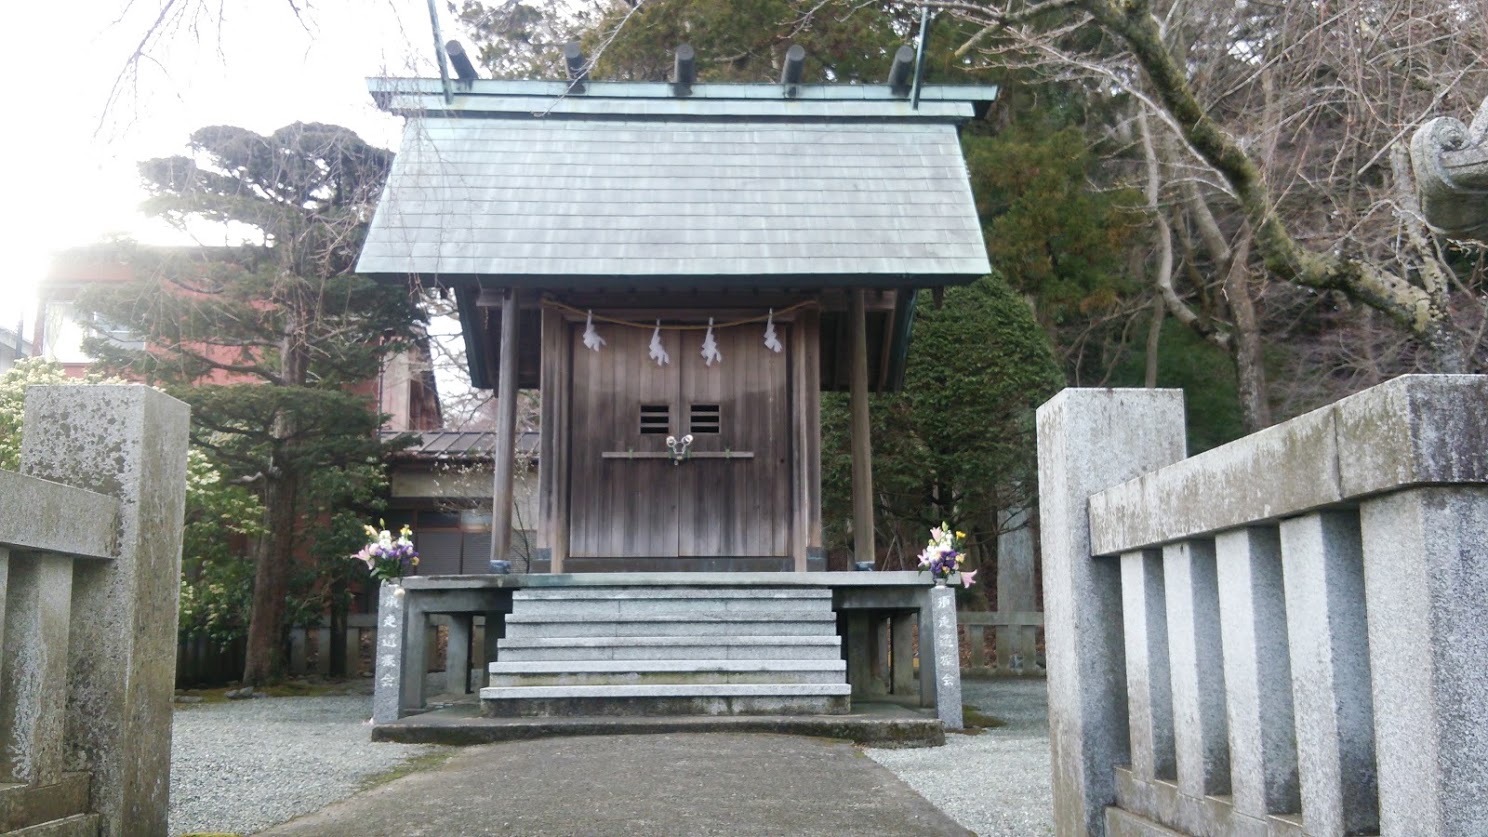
940	582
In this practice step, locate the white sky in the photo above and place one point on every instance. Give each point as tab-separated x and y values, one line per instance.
69	158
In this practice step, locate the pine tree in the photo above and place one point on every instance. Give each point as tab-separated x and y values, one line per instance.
270	340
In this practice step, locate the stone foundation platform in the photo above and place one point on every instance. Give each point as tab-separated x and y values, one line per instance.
873	724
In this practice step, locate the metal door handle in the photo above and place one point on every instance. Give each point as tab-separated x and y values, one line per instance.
679	447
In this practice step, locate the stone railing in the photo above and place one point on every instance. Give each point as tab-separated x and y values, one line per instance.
1015	634
90	561
361	633
1284	635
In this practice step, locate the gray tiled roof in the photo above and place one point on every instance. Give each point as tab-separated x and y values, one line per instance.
456	444
656	195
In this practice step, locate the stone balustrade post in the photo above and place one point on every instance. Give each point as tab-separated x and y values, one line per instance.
1323	574
1149	682
1089	440
127	442
1257	672
1015	593
1425	583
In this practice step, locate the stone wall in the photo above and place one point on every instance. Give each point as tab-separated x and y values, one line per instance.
1283	635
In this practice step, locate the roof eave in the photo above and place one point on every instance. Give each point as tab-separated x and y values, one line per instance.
750	282
383	88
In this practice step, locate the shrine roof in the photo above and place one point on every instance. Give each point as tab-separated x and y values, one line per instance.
535	184
454	445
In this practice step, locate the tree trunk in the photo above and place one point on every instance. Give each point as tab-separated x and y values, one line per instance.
272	554
337	651
1154	341
275	551
1250	370
1389	292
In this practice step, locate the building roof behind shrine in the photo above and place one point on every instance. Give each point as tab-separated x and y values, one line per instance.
813	186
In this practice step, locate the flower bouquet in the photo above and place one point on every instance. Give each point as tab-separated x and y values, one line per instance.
389	558
943	556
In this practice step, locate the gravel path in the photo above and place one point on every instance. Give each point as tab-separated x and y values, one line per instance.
996	783
243	766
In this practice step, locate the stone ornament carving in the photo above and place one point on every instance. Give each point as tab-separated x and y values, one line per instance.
1451	165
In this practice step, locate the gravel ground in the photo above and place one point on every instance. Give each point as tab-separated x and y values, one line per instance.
242	766
995	783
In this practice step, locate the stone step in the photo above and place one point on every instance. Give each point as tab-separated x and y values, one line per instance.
80	825
704	605
701	699
603	593
523	625
555	649
666	672
460	725
701	689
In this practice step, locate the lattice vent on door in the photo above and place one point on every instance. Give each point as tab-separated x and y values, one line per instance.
656	419
705	418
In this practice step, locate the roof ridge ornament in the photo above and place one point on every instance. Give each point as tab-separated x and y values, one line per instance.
794	69
900	80
684	70
460	60
578	67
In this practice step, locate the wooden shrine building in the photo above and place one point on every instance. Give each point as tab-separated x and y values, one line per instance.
591	231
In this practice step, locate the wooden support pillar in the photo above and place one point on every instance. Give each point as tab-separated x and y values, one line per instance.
805	358
552	461
862	443
506	435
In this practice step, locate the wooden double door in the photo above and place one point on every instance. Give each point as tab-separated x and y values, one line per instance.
729	496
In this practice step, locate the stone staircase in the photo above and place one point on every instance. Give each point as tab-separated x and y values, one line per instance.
627	650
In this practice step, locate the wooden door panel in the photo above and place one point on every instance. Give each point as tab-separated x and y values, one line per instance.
702	495
622	507
735	507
